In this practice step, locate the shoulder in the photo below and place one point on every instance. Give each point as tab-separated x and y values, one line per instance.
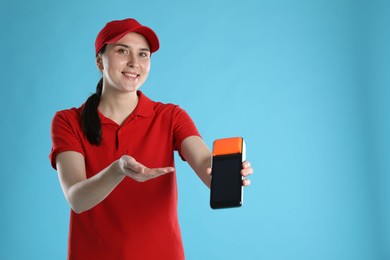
148	106
70	112
159	106
69	116
171	111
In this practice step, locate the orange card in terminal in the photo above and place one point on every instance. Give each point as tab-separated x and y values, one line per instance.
226	180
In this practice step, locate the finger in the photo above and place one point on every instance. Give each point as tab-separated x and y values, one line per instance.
135	168
159	171
166	169
246	182
246	171
126	162
150	173
132	165
246	164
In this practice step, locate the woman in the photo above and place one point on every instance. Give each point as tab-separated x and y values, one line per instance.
115	155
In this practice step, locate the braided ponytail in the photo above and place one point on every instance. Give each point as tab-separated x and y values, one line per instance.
89	117
90	121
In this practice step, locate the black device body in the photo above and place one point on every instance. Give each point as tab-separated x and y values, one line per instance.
226	181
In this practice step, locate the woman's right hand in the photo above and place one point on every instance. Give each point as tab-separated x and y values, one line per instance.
139	172
84	193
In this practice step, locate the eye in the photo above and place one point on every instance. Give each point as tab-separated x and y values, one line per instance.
144	54
123	51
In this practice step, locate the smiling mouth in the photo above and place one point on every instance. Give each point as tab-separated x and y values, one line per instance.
130	75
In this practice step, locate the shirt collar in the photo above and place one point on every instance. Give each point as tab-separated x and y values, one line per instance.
145	106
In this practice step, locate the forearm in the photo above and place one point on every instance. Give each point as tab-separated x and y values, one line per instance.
84	193
87	193
198	156
81	193
201	170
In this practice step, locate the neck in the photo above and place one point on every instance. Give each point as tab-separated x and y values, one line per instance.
118	106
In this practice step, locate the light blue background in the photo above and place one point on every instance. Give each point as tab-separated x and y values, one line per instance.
306	83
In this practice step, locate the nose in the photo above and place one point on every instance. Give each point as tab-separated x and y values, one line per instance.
133	60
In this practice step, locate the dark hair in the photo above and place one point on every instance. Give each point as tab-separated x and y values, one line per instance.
89	117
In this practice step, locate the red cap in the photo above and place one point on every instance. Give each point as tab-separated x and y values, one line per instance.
115	30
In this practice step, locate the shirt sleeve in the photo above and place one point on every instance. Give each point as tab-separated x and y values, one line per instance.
184	127
65	134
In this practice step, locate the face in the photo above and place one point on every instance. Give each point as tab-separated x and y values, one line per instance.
125	64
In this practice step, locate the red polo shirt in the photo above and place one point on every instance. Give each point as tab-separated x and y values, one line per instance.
136	220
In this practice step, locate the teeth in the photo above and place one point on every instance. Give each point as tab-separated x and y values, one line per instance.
132	75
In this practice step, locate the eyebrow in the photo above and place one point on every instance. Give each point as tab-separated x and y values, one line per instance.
127	46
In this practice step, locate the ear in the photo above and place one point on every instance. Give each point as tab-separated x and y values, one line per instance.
99	62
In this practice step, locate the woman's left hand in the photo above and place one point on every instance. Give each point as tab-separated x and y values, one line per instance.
246	171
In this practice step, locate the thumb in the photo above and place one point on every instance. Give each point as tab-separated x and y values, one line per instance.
130	163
